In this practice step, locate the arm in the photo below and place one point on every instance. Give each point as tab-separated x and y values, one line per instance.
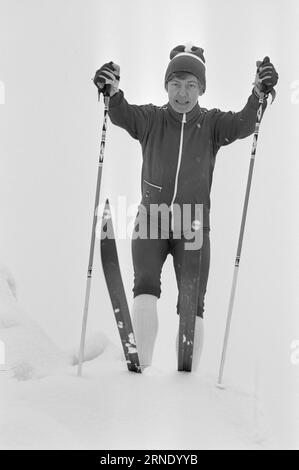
133	118
229	126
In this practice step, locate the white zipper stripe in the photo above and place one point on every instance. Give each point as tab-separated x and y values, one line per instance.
179	159
178	168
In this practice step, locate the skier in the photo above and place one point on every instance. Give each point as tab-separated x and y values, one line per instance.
179	144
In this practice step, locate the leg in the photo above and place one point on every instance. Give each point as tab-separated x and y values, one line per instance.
148	258
145	324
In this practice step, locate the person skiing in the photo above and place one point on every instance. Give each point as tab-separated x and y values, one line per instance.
179	143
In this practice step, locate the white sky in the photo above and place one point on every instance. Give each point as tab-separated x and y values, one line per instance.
49	144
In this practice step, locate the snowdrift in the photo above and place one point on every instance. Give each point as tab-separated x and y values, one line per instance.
44	405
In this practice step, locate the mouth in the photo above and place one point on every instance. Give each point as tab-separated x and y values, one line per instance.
182	103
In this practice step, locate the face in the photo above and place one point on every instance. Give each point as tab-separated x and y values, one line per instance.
183	93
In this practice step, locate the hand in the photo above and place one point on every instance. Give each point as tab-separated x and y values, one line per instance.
106	79
266	77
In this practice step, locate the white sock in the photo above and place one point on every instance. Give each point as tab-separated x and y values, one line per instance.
145	325
198	342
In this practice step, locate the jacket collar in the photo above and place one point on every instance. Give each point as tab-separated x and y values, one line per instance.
192	115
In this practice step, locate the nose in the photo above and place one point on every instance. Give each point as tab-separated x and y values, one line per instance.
182	90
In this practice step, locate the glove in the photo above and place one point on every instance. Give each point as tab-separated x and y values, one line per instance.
266	78
106	79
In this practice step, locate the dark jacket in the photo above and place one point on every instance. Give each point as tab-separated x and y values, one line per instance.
168	177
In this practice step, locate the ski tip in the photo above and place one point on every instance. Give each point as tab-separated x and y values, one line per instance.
106	214
220	386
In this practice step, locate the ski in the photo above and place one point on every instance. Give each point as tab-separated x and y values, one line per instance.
189	288
116	290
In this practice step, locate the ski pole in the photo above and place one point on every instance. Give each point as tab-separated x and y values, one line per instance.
93	235
241	234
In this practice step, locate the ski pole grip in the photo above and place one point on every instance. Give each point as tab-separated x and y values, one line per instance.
106	90
102	87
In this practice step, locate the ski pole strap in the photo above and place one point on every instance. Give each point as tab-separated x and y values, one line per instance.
105	92
273	94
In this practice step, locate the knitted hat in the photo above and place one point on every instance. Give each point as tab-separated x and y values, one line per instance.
189	59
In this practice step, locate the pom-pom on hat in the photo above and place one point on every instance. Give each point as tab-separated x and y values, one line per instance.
189	59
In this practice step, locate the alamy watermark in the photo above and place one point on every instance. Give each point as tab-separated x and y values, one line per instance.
156	221
295	352
2	92
295	93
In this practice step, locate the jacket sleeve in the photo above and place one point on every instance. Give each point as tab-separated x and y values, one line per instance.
229	126
133	118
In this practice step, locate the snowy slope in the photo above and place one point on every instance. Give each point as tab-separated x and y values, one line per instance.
110	408
44	405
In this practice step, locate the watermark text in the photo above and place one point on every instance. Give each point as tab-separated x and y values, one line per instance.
154	221
295	93
295	352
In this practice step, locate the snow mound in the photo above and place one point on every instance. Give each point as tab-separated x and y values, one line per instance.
95	345
29	352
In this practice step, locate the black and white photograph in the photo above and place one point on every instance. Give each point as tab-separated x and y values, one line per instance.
149	220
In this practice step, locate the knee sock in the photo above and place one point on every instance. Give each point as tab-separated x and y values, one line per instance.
198	342
145	324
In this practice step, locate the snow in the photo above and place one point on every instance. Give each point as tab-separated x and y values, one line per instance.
45	405
110	408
